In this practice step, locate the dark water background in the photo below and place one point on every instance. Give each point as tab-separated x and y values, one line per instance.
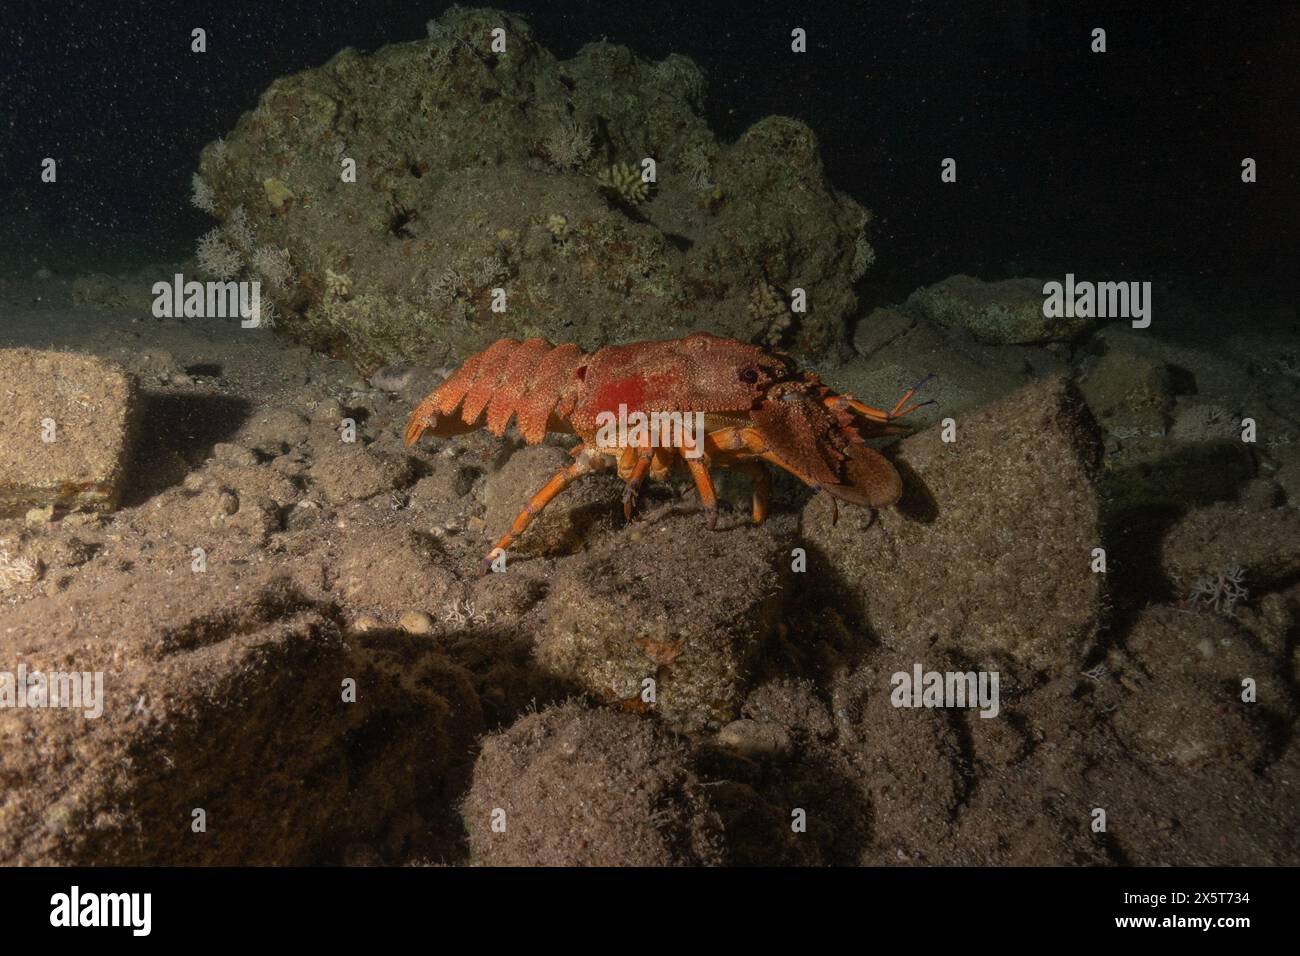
1127	162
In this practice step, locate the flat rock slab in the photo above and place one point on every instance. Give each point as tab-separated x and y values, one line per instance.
66	430
1008	312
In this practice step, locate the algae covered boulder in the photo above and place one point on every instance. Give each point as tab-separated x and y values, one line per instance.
577	787
990	553
622	615
425	199
1009	312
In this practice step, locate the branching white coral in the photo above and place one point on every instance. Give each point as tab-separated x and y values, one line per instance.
449	286
1220	592
863	257
239	232
567	144
697	165
268	315
488	270
217	257
201	196
1203	423
459	614
275	268
15	571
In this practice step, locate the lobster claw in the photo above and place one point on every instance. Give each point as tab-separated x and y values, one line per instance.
790	427
870	479
799	433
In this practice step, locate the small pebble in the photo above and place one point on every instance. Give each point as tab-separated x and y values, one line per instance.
230	454
302	515
755	739
415	622
392	378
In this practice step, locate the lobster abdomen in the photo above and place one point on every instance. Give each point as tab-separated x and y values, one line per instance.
529	381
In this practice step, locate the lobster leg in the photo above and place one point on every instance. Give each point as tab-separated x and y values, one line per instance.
636	480
588	461
762	487
750	441
708	497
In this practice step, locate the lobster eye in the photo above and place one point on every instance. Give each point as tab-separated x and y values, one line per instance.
749	376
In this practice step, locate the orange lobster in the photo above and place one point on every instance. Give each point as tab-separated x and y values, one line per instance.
752	405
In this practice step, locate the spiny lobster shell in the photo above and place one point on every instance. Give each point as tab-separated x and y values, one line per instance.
808	429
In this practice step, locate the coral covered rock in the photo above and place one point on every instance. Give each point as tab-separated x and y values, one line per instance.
501	193
1184	672
228	698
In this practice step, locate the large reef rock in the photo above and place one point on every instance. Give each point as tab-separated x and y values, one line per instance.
990	555
231	700
478	170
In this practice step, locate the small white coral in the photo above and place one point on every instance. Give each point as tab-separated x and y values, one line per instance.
15	571
268	315
567	144
449	286
697	165
863	257
201	196
275	268
338	285
767	306
488	270
217	257
459	614
1203	423
1220	592
239	232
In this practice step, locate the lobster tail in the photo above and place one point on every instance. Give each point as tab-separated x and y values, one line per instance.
508	379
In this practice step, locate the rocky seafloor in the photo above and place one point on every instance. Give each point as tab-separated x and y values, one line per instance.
296	640
521	692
